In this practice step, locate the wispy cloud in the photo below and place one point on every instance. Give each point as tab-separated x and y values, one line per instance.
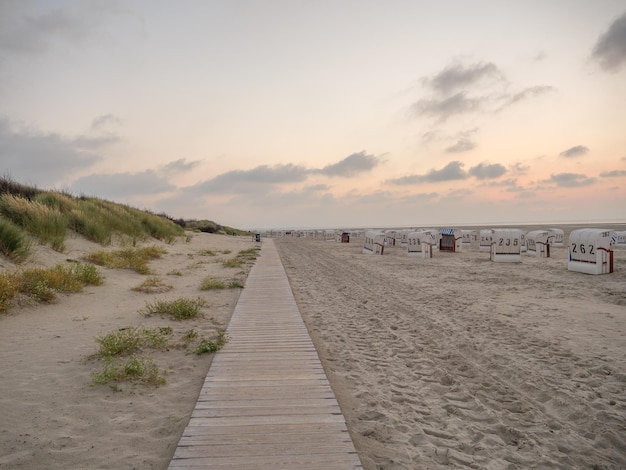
480	87
40	158
181	166
613	174
484	171
527	93
122	185
443	108
462	145
574	152
248	181
610	48
23	32
458	76
452	171
570	180
245	181
351	165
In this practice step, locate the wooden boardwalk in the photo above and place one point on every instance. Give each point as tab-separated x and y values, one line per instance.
266	402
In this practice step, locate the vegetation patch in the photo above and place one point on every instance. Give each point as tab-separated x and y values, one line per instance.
211	283
135	259
211	346
153	285
179	309
43	284
129	340
13	242
207	253
233	262
139	370
46	223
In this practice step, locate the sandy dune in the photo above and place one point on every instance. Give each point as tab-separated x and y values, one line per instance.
457	361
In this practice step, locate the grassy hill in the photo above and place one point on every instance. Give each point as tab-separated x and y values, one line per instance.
29	214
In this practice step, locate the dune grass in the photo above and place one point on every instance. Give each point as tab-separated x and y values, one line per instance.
135	259
14	244
212	283
141	370
129	340
46	223
153	285
43	284
49	215
178	309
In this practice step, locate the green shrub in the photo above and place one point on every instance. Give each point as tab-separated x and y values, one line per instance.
210	346
129	340
134	369
179	309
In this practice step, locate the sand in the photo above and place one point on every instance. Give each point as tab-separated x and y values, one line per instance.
51	414
460	362
448	362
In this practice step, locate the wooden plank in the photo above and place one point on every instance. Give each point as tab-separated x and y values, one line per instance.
266	402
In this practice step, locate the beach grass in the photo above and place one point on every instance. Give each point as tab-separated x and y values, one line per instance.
14	244
135	259
129	340
140	370
211	283
43	284
178	309
152	285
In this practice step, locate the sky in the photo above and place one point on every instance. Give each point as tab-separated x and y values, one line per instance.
321	114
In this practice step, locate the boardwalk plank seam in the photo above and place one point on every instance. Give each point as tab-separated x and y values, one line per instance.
266	402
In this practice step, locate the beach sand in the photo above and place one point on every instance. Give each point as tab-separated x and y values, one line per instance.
51	414
460	362
448	362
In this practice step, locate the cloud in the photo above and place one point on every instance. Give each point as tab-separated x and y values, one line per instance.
444	108
573	152
105	121
462	145
487	171
452	171
249	181
22	32
475	88
458	76
519	168
256	179
570	180
610	48
34	157
122	185
527	93
180	166
351	165
613	174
